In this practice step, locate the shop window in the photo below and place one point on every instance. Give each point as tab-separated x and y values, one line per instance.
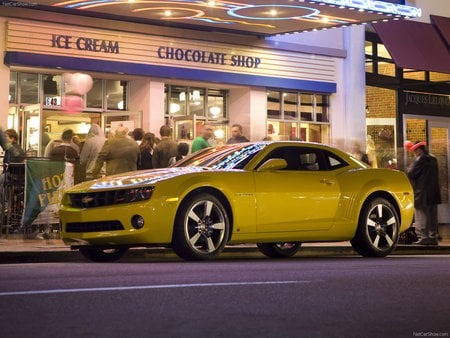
321	108
195	101
52	89
439	77
414	74
386	68
13	87
217	103
29	88
116	95
287	117
290	103
274	104
177	103
94	97
306	107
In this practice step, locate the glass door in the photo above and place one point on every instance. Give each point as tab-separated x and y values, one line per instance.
32	128
438	133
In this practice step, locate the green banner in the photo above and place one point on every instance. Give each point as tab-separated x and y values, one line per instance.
45	182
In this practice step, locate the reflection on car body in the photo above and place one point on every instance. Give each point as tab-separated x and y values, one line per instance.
275	194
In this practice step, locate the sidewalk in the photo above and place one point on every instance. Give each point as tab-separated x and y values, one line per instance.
18	250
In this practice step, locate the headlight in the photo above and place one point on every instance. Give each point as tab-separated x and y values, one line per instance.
110	197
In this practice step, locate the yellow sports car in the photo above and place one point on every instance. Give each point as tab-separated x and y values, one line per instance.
275	194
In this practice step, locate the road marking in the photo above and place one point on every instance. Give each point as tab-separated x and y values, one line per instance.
143	287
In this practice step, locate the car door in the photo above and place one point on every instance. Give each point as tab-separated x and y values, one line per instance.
302	197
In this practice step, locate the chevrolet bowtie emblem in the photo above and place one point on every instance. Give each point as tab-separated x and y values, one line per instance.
87	199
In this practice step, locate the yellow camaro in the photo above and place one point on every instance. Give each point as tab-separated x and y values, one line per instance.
275	194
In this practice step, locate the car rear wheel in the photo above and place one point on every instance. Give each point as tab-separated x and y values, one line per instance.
378	229
99	254
279	250
201	228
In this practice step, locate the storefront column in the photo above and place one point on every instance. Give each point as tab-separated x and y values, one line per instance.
148	96
248	107
348	106
4	75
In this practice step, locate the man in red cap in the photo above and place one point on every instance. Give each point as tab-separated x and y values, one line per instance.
424	177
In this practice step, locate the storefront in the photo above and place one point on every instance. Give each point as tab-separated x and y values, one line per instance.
151	80
408	95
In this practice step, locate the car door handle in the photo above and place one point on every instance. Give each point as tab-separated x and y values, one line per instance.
326	181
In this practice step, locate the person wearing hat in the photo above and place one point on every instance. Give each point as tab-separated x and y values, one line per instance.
424	177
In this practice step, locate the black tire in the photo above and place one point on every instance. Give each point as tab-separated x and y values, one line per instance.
378	229
201	228
99	254
279	250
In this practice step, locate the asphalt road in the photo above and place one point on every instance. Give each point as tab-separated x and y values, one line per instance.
397	296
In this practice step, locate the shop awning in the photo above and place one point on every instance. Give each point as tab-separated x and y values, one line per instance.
442	24
255	17
415	45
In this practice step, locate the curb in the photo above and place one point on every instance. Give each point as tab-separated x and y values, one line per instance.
66	255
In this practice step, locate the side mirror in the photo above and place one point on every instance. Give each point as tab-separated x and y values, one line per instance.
273	164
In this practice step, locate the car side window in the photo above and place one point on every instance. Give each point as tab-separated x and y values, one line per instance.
298	158
333	161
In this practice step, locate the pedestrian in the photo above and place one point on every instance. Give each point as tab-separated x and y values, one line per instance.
65	152
165	149
138	135
424	177
10	144
356	152
236	135
182	151
201	141
9	141
120	153
146	150
94	142
52	144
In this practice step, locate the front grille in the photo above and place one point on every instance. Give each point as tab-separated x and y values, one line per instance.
109	197
94	226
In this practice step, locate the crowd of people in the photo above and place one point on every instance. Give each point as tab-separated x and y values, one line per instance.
122	151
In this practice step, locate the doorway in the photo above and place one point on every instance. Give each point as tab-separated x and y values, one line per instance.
435	132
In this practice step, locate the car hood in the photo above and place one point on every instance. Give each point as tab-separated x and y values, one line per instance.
138	178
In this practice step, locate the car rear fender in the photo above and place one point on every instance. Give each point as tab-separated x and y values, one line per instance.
392	185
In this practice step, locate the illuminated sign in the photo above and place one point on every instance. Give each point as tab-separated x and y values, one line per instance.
201	56
376	6
84	43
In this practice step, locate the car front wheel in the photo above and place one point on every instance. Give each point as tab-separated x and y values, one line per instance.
201	228
279	250
99	254
378	229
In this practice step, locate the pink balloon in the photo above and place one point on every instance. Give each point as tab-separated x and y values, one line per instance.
81	83
72	104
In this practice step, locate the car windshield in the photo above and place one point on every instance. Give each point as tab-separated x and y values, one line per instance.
234	156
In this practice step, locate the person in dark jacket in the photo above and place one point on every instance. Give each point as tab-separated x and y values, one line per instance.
236	135
165	149
121	154
66	152
424	177
146	149
13	152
